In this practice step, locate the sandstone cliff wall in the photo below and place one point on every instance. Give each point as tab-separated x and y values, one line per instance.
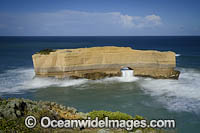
105	61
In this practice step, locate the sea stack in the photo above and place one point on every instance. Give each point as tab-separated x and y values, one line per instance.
101	62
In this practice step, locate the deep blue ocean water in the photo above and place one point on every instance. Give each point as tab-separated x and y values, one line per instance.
148	97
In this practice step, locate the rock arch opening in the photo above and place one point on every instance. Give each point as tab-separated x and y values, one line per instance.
127	72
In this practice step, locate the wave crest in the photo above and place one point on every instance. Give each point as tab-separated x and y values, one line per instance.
177	95
177	55
17	80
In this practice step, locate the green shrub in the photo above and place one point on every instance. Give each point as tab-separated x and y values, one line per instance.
138	117
13	125
3	102
46	51
111	115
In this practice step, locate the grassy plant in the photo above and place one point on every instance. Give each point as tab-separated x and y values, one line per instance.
46	51
111	115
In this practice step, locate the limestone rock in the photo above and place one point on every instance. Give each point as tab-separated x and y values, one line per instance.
100	62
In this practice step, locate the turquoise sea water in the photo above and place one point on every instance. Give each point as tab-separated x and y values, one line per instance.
151	98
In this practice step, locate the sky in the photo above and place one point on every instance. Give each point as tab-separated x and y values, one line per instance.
99	17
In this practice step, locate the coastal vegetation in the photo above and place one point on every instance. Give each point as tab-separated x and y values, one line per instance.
13	112
111	115
46	51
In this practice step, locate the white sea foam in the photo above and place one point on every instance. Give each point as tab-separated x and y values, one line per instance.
116	79
176	95
127	76
178	55
16	80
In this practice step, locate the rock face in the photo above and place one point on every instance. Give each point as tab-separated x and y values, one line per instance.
100	62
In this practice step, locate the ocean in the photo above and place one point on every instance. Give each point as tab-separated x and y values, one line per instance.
150	98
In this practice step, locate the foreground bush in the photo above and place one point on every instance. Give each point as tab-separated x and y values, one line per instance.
111	115
13	112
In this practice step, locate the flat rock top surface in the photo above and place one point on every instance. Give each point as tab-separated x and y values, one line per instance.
103	55
105	49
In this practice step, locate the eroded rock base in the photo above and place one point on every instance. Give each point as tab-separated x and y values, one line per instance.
100	74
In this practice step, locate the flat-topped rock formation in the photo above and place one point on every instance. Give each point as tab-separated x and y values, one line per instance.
100	62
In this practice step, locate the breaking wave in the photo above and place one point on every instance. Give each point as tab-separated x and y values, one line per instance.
17	80
117	79
176	95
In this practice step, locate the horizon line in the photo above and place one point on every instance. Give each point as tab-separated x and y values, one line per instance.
107	36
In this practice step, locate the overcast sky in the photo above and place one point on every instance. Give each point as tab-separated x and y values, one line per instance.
99	17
